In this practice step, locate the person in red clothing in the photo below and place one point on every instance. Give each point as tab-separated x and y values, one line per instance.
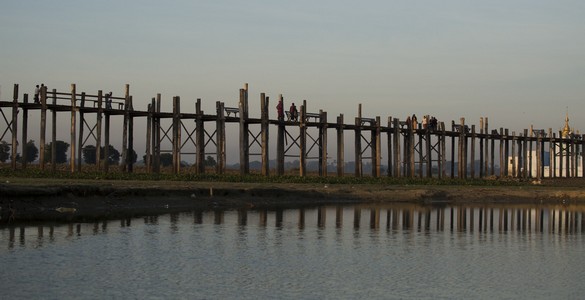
294	113
280	110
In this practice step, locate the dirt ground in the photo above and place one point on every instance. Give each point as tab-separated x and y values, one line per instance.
26	199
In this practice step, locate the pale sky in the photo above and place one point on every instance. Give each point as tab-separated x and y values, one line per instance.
516	62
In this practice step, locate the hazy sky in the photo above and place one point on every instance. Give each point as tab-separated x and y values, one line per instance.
515	62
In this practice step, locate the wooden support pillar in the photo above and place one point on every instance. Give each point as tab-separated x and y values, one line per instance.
443	159
15	127
124	159
176	135
148	146
280	143
453	149
43	132
200	138
98	138
323	143
551	154
419	134
54	132
358	146
539	162
303	140
24	138
506	151
462	155
429	152
265	121
80	143
530	139
411	145
481	153
502	158
107	131
396	148
131	152
472	152
492	159
525	154
340	147
514	158
72	147
486	152
376	148
220	127
156	136
389	160
244	137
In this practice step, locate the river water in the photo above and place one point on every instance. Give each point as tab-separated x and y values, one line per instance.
333	252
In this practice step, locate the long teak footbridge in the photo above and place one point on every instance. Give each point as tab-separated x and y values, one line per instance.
411	149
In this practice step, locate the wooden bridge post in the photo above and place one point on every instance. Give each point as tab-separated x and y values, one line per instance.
376	148
472	152
525	154
156	135
303	139
481	153
43	132
107	130
389	160
72	148
14	127
487	152
130	154
54	132
244	144
462	167
125	129
358	146
323	143
81	130
443	159
396	148
24	139
149	139
411	145
176	132
453	149
419	134
429	152
264	123
221	143
340	146
506	151
514	158
200	137
502	158
530	142
280	143
520	156
98	139
539	162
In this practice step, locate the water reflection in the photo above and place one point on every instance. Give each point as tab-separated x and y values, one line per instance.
545	219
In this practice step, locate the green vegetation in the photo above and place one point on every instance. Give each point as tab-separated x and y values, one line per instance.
252	178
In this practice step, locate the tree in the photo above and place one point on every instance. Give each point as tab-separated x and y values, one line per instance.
88	153
89	156
166	159
4	151
210	161
32	152
61	153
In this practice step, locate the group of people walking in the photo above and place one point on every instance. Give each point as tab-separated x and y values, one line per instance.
293	113
428	122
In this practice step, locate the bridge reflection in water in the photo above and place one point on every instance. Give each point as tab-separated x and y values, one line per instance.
544	219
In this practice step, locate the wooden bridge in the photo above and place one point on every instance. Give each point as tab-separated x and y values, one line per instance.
412	149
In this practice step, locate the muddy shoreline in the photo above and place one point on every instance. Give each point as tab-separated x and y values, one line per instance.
23	199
